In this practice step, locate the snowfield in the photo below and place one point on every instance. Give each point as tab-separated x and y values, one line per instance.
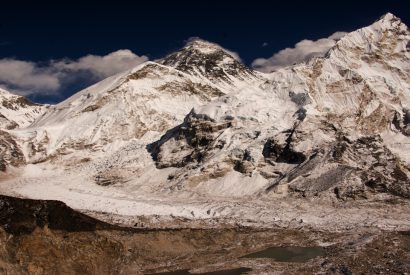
128	205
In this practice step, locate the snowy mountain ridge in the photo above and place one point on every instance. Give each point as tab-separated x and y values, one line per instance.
199	135
16	111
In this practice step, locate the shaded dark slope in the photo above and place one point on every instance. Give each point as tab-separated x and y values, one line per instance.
23	216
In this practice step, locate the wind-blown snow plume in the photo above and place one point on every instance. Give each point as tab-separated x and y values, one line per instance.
230	52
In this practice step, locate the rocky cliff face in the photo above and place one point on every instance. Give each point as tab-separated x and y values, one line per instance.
10	152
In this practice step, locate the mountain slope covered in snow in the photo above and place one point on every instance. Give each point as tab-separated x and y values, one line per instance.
332	125
199	135
15	112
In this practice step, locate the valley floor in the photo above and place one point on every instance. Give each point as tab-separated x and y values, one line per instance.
47	237
133	229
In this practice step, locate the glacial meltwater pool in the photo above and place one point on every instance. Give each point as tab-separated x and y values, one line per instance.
289	254
280	254
236	271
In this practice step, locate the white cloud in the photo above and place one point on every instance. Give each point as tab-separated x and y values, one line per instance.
103	66
25	77
302	51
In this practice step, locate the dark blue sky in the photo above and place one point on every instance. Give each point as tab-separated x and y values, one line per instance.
39	31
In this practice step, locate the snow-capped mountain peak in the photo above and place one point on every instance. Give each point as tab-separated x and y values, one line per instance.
357	88
388	32
209	60
204	46
389	19
388	23
139	103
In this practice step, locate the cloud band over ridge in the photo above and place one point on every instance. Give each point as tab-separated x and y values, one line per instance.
26	77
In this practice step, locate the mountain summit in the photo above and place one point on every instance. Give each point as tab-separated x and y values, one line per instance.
209	60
